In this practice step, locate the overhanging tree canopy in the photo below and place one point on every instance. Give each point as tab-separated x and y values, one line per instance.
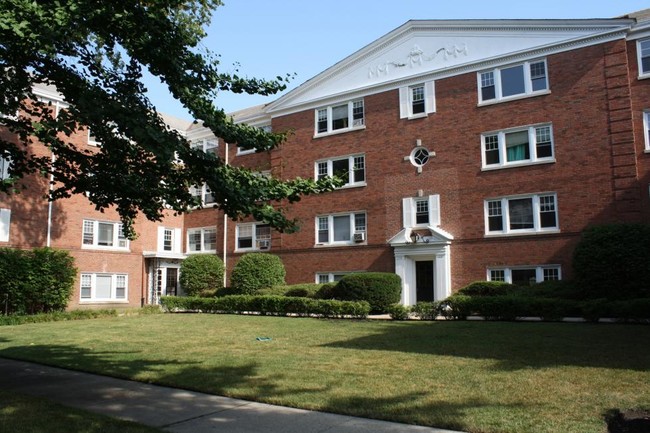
94	53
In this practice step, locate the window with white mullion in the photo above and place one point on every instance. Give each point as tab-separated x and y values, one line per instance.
517	146
101	234
340	117
340	228
521	214
643	55
201	240
103	287
253	236
525	275
646	129
350	168
512	81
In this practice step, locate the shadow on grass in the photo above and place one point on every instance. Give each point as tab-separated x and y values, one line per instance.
516	345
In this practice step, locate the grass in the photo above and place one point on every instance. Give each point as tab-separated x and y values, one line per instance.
19	413
480	377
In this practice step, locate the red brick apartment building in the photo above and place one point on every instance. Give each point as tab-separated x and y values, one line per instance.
472	150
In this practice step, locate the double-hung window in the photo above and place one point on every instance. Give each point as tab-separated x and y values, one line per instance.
517	146
417	101
341	229
525	275
202	240
253	236
352	169
330	277
509	82
421	211
103	235
643	54
169	240
202	194
340	118
521	214
207	145
104	287
4	168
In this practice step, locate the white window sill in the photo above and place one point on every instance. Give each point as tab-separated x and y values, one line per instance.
522	233
646	151
517	164
339	131
248	250
514	98
246	152
644	76
103	301
352	185
103	248
202	252
340	244
417	116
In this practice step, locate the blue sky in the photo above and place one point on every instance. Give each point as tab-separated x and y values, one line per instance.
305	37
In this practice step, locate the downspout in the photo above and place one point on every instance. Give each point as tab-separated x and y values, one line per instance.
48	242
225	238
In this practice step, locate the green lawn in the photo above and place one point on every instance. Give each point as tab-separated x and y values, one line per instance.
20	413
472	376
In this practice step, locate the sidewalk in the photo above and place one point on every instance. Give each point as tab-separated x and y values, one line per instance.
176	410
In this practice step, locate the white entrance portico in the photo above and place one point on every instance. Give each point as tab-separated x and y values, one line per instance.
422	260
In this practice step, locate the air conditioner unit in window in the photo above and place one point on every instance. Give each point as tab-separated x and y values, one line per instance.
359	236
264	244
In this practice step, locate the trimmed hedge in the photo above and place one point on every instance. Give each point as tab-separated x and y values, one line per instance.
611	261
487	288
304	290
255	271
399	312
268	305
55	317
426	310
201	274
379	289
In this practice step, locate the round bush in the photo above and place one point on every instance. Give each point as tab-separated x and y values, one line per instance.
379	289
201	275
611	261
255	271
486	288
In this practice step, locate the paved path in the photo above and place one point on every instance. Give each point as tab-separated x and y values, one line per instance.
176	410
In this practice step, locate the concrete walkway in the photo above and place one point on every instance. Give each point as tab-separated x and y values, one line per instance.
176	410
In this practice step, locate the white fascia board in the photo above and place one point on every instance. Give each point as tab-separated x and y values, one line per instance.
639	31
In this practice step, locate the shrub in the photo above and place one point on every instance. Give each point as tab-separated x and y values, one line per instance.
398	312
326	291
55	316
255	271
560	289
305	290
226	291
486	288
379	289
611	261
201	274
426	310
268	305
36	281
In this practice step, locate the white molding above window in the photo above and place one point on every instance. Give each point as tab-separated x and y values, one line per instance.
417	101
515	147
516	274
103	235
103	287
521	215
643	57
514	81
339	118
351	168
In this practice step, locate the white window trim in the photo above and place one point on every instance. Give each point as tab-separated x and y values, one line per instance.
406	100
205	191
117	231
255	246
350	158
202	230
528	92
351	126
539	272
176	240
532	148
409	211
5	224
642	75
5	163
206	144
242	152
93	288
646	129
91	140
505	215
330	276
330	229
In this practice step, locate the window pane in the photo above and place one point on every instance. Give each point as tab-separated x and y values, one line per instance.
551	274
523	277
422	211
103	289
497	275
105	234
120	287
538	76
167	240
543	145
512	81
85	286
495	216
245	239
487	86
341	168
360	222
322	120
323	278
323	230
341	228
340	117
517	148
417	99
547	211
357	113
492	149
321	170
195	240
263	232
645	56
88	232
210	239
359	169
521	213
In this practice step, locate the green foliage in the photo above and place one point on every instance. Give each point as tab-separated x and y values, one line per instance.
255	271
398	312
326	291
486	288
201	274
271	305
95	54
57	316
611	261
304	290
426	310
36	281
379	289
